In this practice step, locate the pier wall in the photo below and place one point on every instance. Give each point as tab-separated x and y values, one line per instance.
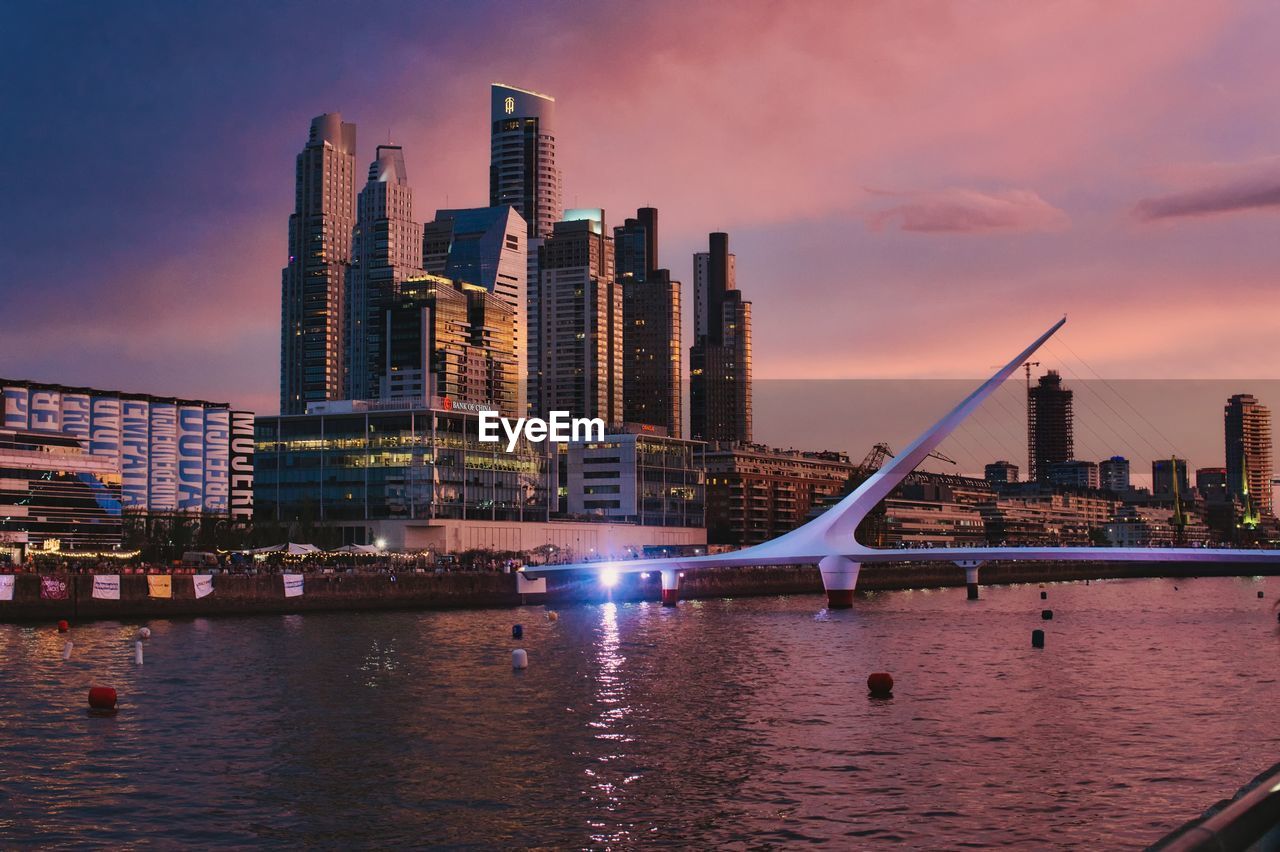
243	594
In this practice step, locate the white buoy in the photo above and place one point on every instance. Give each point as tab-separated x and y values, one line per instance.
144	633
66	650
137	652
519	659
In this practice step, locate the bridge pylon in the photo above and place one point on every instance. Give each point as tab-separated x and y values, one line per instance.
670	587
839	578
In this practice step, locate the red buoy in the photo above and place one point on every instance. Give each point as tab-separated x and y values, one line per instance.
102	700
63	626
880	684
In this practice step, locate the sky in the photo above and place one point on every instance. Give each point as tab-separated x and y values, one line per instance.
912	189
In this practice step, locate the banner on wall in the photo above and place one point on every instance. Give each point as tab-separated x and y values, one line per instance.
159	586
107	587
53	589
6	587
292	585
203	584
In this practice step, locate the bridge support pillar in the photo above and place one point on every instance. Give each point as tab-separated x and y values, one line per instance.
971	577
839	578
670	586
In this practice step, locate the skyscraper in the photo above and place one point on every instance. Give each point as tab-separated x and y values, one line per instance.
1114	474
522	156
313	284
580	325
1248	434
651	365
387	248
1049	424
488	247
720	359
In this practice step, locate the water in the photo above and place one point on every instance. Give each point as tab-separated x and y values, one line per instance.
741	722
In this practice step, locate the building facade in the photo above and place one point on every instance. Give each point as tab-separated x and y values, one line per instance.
313	284
56	495
1211	482
720	359
580	324
486	246
1113	475
637	476
651	327
450	339
1074	473
173	456
755	493
1049	426
1169	476
1247	425
522	156
386	249
1000	473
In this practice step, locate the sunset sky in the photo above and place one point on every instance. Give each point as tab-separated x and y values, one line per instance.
912	189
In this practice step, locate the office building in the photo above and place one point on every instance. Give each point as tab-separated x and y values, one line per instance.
1248	437
636	476
1168	475
522	156
1000	473
720	359
1211	482
486	246
415	476
1113	475
1073	473
386	249
580	324
313	284
755	493
55	495
651	326
1049	425
173	456
450	340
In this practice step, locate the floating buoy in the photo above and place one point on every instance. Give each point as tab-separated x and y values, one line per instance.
1259	594
66	650
880	684
1046	614
1037	638
553	616
517	631
1044	596
519	659
137	652
102	701
63	626
144	633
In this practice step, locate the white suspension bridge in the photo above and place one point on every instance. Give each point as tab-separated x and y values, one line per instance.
830	541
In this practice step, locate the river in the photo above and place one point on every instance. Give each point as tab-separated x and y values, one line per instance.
738	722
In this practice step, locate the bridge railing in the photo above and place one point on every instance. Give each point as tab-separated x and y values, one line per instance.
1249	821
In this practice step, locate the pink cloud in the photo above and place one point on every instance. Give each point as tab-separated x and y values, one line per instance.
968	211
1217	189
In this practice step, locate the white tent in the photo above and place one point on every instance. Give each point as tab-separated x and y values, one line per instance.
290	549
358	549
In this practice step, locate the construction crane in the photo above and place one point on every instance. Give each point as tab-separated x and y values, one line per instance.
1179	519
881	451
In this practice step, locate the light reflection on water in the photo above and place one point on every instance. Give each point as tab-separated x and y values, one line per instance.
730	722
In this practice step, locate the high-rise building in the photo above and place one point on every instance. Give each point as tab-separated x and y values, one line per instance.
450	339
1049	423
579	333
720	359
1001	473
387	248
1248	434
313	284
1168	473
486	246
1113	474
651	326
522	156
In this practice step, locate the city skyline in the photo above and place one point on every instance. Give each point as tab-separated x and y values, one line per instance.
1141	248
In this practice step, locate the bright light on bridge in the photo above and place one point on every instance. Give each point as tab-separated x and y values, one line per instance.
609	577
